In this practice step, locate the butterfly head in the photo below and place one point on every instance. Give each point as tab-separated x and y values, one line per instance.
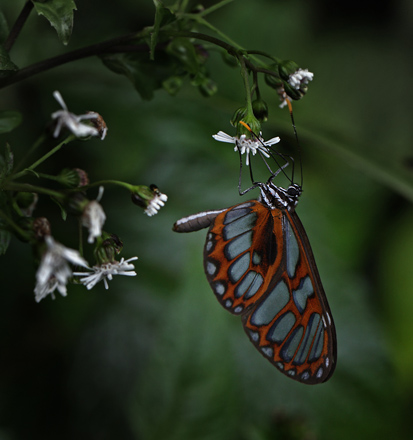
279	198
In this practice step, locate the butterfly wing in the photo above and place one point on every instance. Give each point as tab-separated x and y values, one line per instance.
260	265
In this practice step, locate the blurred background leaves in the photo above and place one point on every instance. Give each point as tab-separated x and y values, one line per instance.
155	357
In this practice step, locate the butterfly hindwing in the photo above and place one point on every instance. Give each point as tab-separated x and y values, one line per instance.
259	264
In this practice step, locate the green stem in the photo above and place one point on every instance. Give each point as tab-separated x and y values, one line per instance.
33	148
245	77
213	8
26	187
225	37
13	225
105	182
45	157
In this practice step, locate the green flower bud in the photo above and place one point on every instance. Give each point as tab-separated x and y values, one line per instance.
73	177
172	85
208	87
292	92
238	115
260	109
287	68
107	247
26	201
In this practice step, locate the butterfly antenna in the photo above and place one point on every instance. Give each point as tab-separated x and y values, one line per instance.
290	108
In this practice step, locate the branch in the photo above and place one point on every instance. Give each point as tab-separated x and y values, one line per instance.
18	25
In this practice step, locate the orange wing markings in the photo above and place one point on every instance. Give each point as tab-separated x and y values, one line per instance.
257	254
309	361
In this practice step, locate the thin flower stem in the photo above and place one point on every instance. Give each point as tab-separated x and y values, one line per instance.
18	25
213	8
208	25
105	182
46	156
245	77
26	187
183	5
23	234
80	228
34	147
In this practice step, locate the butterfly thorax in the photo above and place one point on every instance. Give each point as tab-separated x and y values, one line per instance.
279	198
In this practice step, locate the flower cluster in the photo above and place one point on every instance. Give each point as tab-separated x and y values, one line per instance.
56	261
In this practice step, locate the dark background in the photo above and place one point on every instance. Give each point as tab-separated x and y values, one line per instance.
155	356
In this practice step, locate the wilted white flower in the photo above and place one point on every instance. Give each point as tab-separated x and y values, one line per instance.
72	122
54	270
94	217
106	271
247	145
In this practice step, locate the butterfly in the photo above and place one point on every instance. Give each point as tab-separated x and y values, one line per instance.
259	264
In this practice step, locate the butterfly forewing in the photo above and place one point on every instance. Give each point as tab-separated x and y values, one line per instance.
240	249
259	264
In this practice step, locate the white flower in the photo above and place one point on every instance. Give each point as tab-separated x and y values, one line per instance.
247	145
106	271
94	217
73	122
54	271
156	203
299	78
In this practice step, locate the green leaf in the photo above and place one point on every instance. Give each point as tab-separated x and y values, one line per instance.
4	28
9	120
60	15
7	67
146	75
163	16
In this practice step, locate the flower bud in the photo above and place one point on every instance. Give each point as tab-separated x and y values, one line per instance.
41	227
27	202
260	109
73	177
287	68
238	116
208	87
172	85
107	247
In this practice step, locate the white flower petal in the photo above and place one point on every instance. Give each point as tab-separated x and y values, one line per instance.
246	145
64	118
223	137
54	271
106	271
